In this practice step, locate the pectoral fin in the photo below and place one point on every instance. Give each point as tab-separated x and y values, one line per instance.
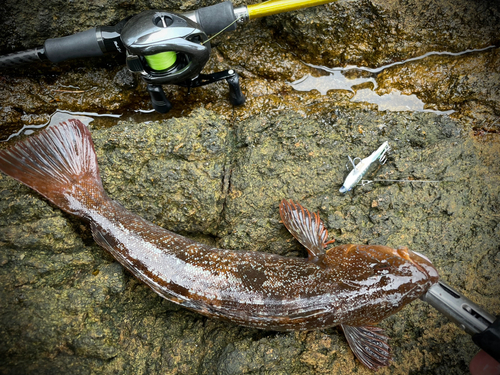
369	344
307	228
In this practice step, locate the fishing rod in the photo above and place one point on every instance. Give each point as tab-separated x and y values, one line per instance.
482	326
163	47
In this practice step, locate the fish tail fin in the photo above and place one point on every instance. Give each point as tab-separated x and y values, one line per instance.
60	164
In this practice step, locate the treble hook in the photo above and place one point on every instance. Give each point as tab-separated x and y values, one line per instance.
383	157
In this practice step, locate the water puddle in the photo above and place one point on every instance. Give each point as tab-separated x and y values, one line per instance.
57	117
333	81
395	101
99	120
344	78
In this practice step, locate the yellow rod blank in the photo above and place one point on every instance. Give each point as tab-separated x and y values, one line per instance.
279	6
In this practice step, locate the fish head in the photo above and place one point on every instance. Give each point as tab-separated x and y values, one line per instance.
420	261
405	266
394	277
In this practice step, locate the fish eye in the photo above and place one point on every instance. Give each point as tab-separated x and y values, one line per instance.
381	268
403	253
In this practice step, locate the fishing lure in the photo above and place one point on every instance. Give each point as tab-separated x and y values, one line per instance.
354	286
359	170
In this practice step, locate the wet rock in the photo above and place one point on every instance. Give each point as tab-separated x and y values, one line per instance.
125	79
269	53
222	186
374	33
216	174
171	172
467	84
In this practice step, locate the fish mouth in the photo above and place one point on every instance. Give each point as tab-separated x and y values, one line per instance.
424	265
421	256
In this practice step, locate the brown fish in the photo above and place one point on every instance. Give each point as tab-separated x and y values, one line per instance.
355	286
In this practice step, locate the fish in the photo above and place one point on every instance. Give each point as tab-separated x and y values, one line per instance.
359	170
351	286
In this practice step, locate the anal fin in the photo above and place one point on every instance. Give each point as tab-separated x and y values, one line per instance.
307	228
369	345
102	238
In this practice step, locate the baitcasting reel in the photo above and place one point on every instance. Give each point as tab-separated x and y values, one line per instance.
163	47
170	48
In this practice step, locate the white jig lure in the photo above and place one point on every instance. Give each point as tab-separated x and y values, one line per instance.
360	169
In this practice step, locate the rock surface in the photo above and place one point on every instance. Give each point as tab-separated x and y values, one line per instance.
217	174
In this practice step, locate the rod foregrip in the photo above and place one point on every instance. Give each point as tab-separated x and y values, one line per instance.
215	18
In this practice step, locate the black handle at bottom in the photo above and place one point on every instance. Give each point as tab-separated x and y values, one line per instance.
236	97
489	339
159	99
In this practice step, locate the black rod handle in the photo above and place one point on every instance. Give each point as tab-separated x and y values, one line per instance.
79	45
89	43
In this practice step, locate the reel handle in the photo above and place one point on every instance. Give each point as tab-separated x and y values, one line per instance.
236	97
158	98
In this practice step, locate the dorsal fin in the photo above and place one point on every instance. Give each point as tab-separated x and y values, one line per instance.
308	229
369	344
